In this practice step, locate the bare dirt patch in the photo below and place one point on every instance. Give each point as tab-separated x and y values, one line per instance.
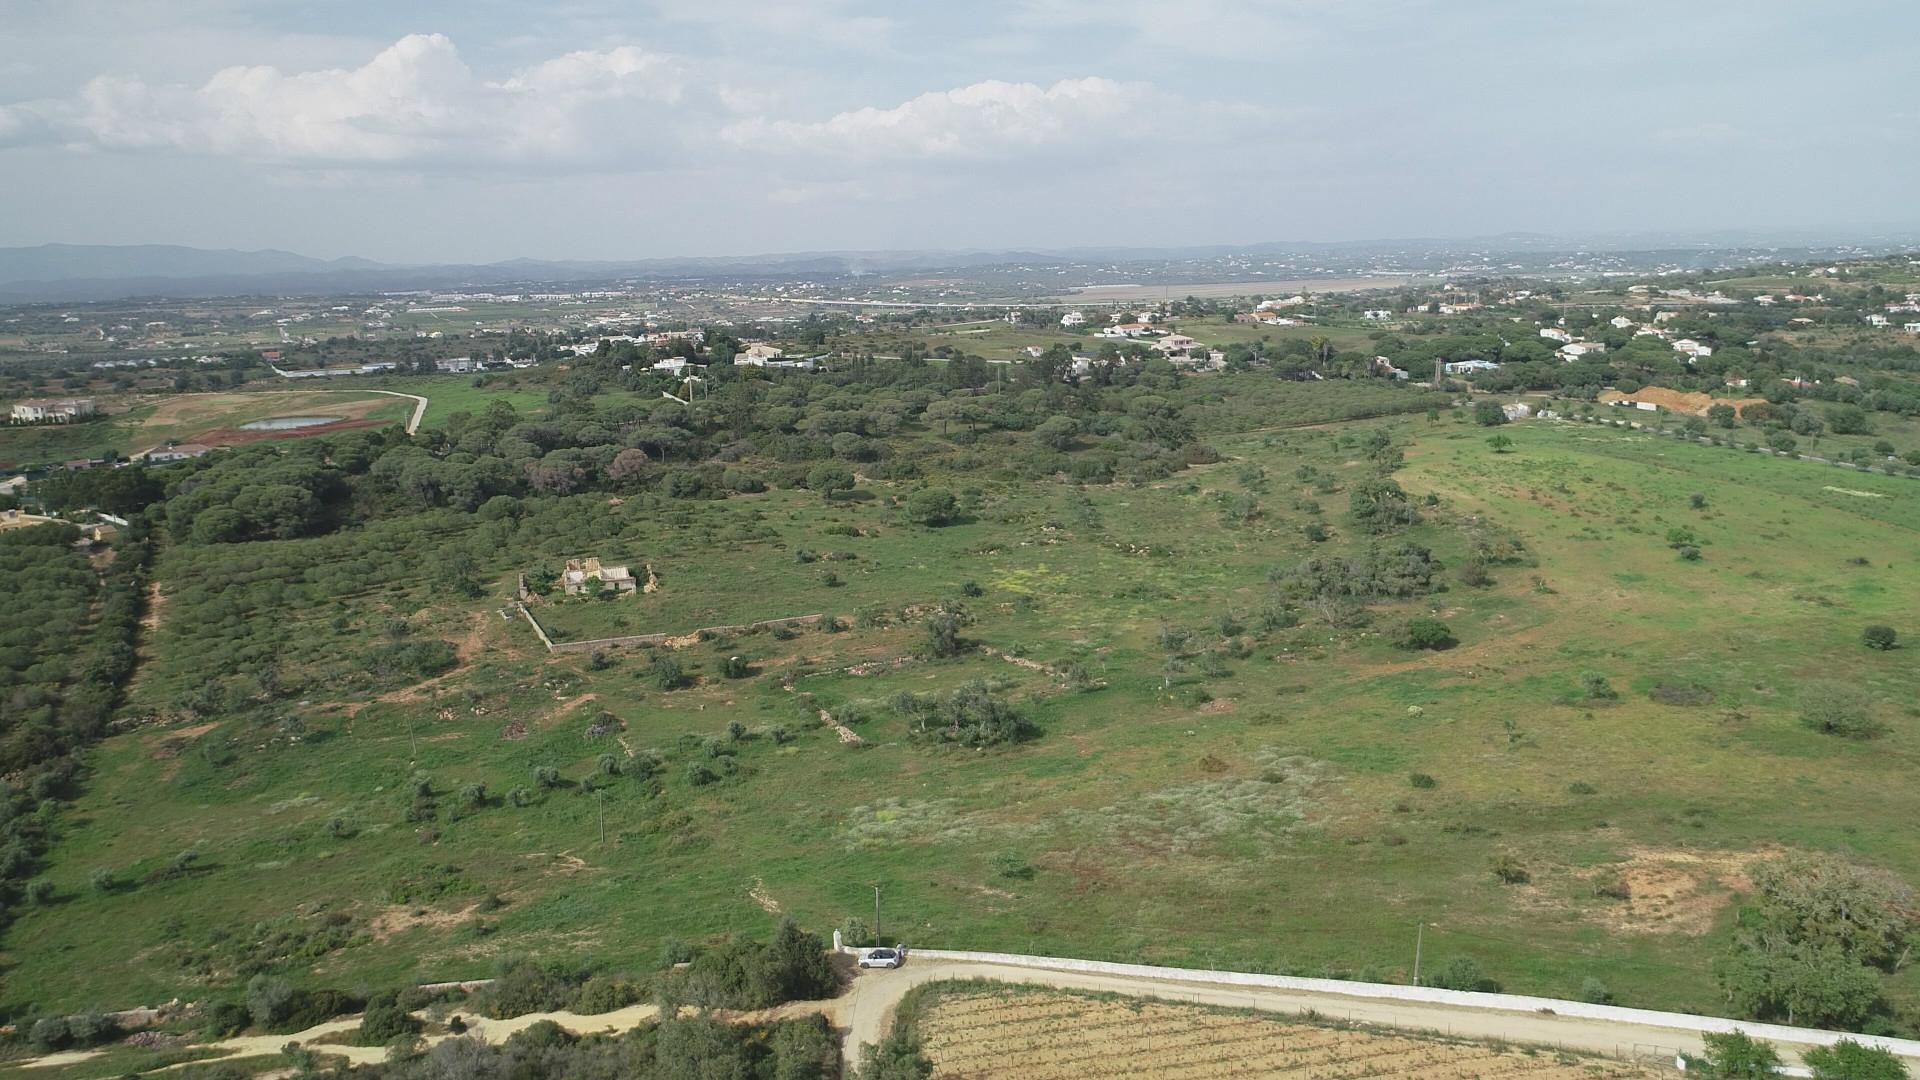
1685	402
150	619
562	863
1672	890
401	918
759	895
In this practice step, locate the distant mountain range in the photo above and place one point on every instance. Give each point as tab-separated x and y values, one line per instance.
78	272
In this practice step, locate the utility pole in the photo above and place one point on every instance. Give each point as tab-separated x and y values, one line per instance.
876	913
1419	938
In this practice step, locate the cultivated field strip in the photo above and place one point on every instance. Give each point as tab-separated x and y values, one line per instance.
1046	1036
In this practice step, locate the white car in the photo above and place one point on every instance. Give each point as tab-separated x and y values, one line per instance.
882	958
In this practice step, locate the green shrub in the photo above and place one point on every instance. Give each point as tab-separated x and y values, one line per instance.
385	1021
1836	709
1011	864
1879	637
1509	871
1423	632
1462	973
420	659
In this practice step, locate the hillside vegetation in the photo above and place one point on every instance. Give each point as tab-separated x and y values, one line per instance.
1139	671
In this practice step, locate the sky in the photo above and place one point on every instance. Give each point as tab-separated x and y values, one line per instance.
483	130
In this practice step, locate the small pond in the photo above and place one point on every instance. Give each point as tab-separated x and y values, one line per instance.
281	423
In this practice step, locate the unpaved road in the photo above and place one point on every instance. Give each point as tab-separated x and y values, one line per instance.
866	1010
494	1031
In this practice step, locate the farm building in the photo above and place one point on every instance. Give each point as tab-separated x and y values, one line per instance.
580	571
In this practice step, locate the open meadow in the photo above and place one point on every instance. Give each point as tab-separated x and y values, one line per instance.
1222	772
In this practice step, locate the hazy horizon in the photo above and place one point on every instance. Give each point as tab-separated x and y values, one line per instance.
598	131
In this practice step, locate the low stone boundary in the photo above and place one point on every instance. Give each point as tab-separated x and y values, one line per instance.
1466	999
657	639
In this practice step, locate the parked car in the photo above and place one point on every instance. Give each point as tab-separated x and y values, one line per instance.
882	958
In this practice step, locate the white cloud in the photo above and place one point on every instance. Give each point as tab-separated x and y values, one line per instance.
983	120
417	106
414	103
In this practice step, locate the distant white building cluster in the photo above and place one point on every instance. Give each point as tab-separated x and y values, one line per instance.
53	410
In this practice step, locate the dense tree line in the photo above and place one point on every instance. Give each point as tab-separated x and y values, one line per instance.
67	635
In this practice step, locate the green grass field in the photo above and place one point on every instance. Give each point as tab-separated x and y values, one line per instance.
1256	813
139	423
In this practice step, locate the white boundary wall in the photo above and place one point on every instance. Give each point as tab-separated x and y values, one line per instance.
1465	999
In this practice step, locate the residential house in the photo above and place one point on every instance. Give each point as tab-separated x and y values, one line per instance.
580	571
1073	318
757	356
1519	410
1620	322
1578	349
1176	343
1380	365
675	366
163	455
1665	316
1272	305
1877	320
1553	333
1692	348
1462	367
456	365
1377	314
53	410
1911	328
1126	330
